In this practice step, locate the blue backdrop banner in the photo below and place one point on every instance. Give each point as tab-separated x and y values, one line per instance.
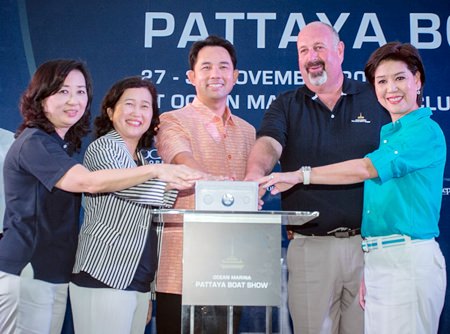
152	39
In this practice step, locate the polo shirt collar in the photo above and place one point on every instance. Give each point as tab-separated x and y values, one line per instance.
209	114
410	118
67	146
348	88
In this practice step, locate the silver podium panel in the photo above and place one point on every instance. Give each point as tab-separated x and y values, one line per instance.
234	268
226	195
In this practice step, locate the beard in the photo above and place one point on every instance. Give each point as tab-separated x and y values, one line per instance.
318	78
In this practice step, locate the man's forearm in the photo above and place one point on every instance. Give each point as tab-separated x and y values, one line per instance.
263	157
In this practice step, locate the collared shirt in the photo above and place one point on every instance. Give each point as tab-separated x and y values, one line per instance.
406	197
116	225
41	221
221	148
313	135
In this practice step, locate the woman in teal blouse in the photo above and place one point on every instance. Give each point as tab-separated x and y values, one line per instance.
404	283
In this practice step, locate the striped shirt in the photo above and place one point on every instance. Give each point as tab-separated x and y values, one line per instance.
115	226
220	147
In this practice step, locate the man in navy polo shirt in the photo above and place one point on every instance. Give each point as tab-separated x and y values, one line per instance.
329	119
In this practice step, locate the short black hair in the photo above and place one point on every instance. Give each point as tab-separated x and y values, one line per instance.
403	52
211	40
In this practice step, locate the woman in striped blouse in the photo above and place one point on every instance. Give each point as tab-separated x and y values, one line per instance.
116	255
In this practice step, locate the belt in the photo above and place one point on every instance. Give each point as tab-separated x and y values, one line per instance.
340	232
395	240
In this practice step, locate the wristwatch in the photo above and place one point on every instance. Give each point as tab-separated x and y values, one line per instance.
306	170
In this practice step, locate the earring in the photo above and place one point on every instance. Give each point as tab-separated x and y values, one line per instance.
418	91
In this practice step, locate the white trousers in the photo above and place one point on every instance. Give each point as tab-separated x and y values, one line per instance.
31	306
9	300
405	289
108	311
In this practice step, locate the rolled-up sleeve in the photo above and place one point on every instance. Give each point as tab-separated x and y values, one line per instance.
407	152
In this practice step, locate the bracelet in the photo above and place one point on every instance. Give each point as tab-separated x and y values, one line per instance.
306	170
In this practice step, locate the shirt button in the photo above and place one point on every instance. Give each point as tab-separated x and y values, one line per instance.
332	116
229	156
65	146
368	211
385	141
395	152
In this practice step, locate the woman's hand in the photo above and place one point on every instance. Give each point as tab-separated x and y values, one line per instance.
179	177
280	181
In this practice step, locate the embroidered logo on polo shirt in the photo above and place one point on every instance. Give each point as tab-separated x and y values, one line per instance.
360	119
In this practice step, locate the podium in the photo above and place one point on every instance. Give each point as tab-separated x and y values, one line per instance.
234	260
